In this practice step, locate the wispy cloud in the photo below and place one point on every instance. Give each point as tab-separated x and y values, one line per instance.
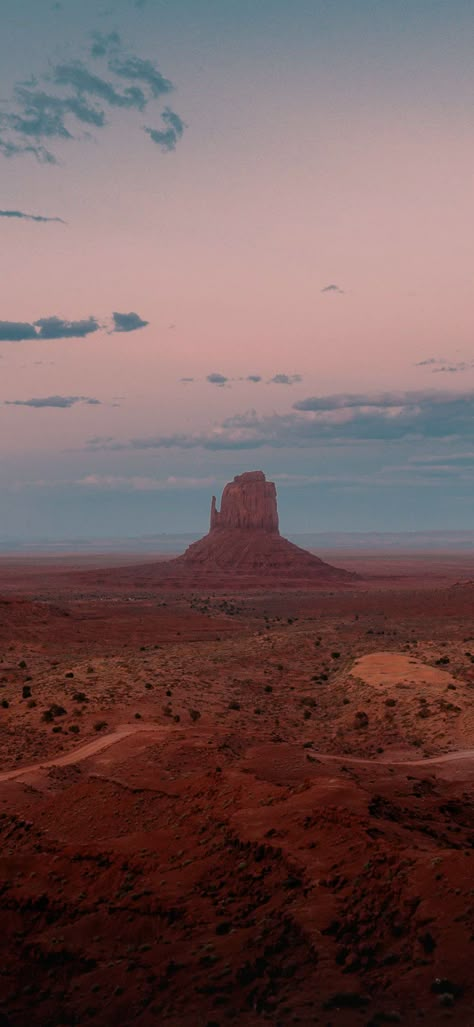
72	97
285	379
167	137
334	289
346	418
136	483
104	43
28	217
127	322
215	378
440	365
58	402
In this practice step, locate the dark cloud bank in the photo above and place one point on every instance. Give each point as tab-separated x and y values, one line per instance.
341	418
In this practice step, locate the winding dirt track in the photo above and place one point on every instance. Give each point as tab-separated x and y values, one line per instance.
83	752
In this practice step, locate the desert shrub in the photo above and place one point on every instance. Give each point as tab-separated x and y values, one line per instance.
138	716
32	704
100	725
74	729
195	715
52	712
22	664
26	692
5	704
234	705
268	688
69	674
80	697
361	719
335	656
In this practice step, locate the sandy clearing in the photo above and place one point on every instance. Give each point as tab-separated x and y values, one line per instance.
388	669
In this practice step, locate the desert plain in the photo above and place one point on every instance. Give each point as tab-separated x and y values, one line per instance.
237	804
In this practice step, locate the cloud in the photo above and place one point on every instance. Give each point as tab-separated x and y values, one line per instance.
167	138
16	331
84	82
333	288
104	43
458	368
440	365
57	328
127	322
59	402
284	379
27	217
71	97
346	418
217	379
135	69
380	400
222	379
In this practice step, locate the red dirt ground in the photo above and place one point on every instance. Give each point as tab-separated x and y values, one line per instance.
245	814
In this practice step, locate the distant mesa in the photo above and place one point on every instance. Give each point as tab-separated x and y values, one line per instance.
244	541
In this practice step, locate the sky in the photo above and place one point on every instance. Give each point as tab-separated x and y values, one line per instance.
235	236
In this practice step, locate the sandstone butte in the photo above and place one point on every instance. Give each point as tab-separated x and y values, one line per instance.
244	540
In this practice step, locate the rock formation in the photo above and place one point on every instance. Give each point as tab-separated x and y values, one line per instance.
244	542
249	501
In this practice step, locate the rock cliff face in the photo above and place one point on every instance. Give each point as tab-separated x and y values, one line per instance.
244	546
249	502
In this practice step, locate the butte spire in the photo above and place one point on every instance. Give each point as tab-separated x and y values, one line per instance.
244	545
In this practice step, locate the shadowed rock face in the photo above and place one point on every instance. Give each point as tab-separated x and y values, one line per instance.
249	502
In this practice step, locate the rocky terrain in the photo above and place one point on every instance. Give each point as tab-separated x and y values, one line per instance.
249	807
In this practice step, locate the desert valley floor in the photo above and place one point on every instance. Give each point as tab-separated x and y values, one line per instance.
234	806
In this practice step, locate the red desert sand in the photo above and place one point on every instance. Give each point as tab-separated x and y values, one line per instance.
240	804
